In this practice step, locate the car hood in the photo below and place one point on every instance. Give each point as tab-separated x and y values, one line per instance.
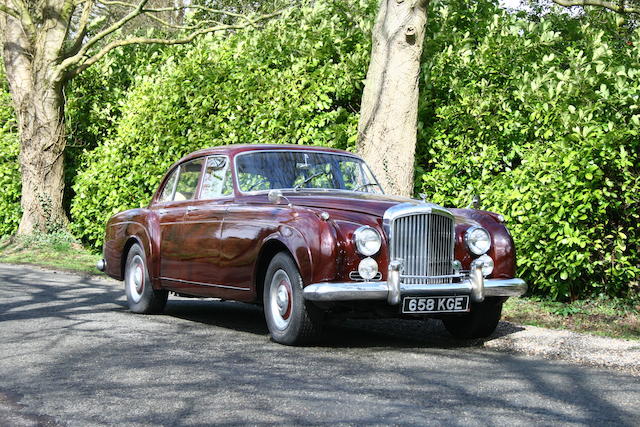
373	204
368	203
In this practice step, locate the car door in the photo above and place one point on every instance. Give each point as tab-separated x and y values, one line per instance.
203	224
175	246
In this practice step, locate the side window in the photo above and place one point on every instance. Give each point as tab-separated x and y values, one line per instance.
188	180
169	186
217	179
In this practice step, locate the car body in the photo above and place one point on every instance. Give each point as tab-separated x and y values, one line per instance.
309	233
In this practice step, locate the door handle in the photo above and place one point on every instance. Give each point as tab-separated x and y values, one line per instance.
192	208
162	211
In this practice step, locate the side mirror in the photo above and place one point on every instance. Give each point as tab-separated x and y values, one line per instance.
475	202
275	196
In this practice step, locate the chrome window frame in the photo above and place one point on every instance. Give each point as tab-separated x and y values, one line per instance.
204	170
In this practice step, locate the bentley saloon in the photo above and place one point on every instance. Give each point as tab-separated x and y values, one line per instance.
309	233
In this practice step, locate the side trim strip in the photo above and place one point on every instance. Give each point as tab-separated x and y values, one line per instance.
205	284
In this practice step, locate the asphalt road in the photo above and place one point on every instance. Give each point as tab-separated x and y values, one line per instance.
71	354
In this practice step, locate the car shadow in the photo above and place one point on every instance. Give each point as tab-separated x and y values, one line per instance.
350	333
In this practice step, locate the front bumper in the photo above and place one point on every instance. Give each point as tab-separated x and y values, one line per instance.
474	285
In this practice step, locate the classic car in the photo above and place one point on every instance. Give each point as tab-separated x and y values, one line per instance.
309	233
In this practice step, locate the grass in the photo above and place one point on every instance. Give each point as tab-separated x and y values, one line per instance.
612	317
59	251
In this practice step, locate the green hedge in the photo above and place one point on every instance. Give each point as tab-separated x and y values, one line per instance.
538	116
10	210
298	80
542	120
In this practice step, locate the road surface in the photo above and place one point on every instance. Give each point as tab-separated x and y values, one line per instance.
71	354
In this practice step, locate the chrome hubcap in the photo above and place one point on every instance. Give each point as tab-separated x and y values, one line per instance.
280	299
283	299
134	278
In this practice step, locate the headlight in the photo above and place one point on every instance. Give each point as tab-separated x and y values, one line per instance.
478	240
368	268
487	264
368	240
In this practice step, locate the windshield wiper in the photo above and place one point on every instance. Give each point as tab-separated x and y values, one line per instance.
315	175
368	184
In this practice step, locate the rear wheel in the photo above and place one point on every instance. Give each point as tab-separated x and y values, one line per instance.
291	320
141	296
479	323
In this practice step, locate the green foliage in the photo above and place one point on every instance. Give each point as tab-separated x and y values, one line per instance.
542	120
9	171
297	80
95	99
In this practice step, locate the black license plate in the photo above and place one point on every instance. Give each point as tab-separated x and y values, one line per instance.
417	305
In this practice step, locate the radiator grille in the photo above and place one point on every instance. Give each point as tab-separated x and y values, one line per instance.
424	242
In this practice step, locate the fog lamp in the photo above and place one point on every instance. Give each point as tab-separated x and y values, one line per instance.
368	268
487	264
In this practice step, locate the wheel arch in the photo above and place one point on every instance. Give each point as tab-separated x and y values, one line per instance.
131	240
269	249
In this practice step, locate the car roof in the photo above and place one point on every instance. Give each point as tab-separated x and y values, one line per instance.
232	150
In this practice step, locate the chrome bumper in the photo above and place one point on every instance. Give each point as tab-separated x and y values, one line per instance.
475	285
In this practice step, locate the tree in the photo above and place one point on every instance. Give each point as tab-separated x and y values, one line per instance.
389	109
49	42
388	116
618	6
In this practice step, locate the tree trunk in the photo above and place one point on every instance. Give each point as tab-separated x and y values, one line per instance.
38	102
389	112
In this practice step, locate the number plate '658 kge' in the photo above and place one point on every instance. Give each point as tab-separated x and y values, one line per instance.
445	304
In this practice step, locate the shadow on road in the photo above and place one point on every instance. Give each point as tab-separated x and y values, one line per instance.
396	333
69	346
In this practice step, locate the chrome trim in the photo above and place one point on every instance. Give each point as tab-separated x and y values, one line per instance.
347	291
355	276
445	276
393	282
205	284
344	154
381	291
420	249
466	238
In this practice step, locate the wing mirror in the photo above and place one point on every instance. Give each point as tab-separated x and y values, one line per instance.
276	196
475	202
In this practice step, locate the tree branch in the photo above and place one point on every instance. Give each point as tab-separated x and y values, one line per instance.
25	18
75	59
85	62
81	31
10	11
619	7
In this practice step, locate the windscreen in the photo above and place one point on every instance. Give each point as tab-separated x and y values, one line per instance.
268	170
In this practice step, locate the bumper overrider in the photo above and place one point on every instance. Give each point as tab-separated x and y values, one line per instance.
474	285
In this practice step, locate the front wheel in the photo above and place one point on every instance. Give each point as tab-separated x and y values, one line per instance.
479	323
141	296
291	320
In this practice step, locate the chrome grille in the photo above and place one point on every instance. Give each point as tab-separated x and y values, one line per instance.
424	241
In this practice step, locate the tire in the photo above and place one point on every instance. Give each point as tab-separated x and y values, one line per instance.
141	296
291	320
479	323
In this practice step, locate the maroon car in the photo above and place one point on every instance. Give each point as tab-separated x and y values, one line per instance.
309	233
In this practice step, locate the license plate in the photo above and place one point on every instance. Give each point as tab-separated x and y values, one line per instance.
416	305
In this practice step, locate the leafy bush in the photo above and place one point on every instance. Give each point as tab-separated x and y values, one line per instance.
10	210
542	120
297	80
